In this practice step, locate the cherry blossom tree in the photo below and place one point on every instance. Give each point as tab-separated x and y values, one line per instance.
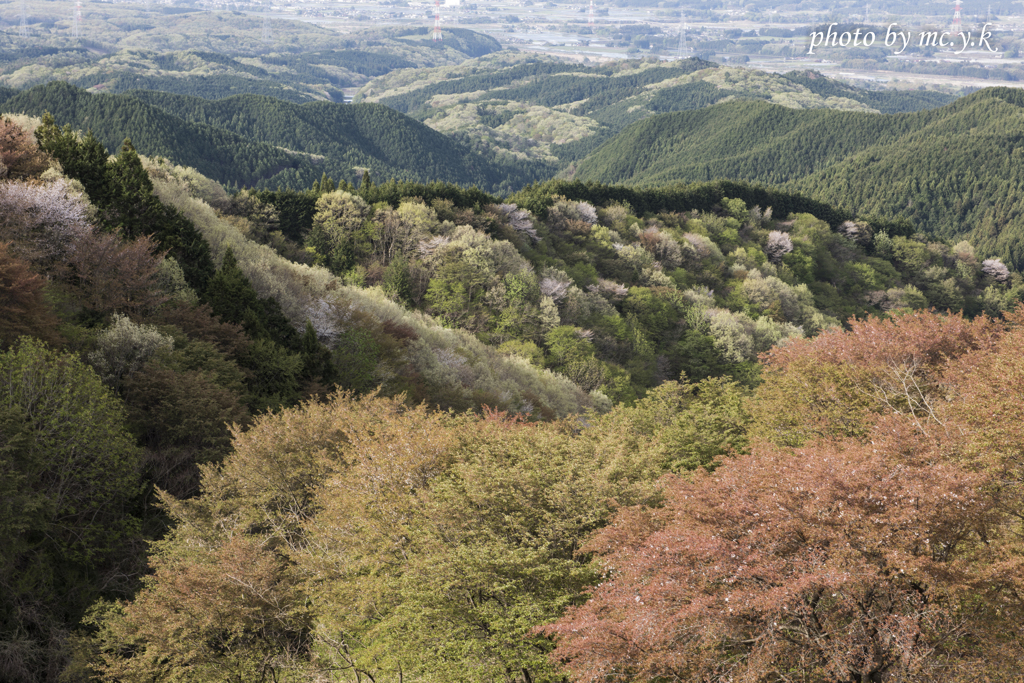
43	221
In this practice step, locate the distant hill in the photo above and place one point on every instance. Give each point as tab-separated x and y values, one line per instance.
509	104
956	172
219	54
227	157
227	51
260	141
885	101
739	140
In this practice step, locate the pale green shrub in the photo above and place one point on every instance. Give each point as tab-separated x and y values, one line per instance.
123	347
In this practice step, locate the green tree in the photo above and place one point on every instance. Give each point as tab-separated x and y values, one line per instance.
397	283
85	159
339	217
69	485
233	298
316	358
356	357
274	374
132	206
180	406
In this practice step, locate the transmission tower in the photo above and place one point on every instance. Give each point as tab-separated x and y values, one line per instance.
591	13
23	29
867	14
437	20
956	19
682	37
76	25
267	35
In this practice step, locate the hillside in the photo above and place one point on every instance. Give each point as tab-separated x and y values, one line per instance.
867	163
258	141
362	135
506	119
753	141
420	377
510	104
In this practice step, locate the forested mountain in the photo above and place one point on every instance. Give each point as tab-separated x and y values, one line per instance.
226	156
404	368
556	112
264	142
954	171
350	137
334	428
521	119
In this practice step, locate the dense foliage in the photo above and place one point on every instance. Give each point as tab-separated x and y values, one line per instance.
366	538
882	547
69	482
898	165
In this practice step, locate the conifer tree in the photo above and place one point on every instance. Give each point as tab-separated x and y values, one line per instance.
84	160
133	206
230	294
316	358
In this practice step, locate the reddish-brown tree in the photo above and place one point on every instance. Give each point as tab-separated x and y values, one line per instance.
841	562
20	157
840	382
110	275
887	549
23	306
986	406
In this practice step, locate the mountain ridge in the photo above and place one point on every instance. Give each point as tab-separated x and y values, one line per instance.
242	140
953	171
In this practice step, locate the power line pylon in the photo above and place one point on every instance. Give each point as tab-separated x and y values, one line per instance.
437	21
76	20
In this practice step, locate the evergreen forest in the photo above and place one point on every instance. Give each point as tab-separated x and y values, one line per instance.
260	141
